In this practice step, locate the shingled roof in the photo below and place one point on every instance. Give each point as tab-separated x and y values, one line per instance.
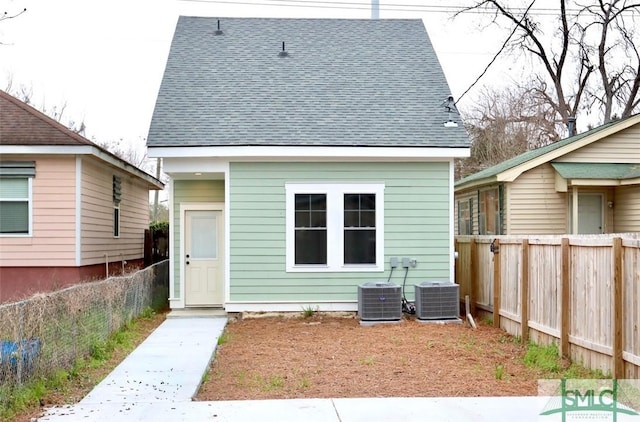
23	129
342	82
21	124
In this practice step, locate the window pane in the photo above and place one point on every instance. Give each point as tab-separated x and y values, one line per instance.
311	210
318	219
14	188
351	219
359	210
351	201
311	247
204	235
359	246
307	202
302	219
303	202
14	217
368	219
368	202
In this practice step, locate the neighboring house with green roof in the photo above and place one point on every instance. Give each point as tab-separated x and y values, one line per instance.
303	155
586	184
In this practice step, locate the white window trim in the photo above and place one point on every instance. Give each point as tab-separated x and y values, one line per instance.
30	208
117	207
335	225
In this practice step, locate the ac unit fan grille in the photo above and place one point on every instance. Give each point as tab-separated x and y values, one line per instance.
379	302
437	301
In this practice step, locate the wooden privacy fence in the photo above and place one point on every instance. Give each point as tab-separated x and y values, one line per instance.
581	292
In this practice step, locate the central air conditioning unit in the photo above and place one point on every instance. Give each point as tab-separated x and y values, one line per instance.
379	301
437	300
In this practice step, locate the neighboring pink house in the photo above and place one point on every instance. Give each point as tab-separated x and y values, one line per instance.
69	210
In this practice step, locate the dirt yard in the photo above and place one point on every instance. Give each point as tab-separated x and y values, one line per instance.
323	356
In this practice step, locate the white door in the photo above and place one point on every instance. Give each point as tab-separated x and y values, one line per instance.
590	213
203	258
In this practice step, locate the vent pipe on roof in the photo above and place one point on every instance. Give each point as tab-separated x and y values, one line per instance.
571	125
283	53
375	9
450	107
218	31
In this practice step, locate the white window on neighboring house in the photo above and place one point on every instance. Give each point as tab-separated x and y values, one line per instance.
16	198
335	227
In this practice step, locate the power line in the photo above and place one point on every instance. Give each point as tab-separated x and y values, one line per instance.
319	4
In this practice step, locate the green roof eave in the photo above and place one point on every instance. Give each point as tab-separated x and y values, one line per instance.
510	169
616	171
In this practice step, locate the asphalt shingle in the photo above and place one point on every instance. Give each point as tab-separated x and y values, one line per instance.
344	82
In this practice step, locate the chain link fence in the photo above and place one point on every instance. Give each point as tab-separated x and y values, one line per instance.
50	332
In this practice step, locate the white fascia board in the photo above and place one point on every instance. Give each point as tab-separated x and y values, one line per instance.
253	153
195	164
594	182
628	182
46	149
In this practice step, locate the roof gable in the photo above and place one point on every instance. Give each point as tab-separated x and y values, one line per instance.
343	82
508	170
24	129
24	125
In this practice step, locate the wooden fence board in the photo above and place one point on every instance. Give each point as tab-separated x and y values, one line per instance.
599	324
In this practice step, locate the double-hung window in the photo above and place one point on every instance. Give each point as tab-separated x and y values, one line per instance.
16	212
335	227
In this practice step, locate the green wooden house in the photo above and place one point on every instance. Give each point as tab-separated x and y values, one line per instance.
304	154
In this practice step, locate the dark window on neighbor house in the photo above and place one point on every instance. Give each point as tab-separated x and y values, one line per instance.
359	228
16	197
117	196
489	218
310	229
465	217
116	221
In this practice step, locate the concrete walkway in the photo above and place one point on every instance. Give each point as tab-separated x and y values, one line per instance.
157	381
167	367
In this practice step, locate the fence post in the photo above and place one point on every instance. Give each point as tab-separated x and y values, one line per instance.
20	347
565	298
496	283
473	274
524	292
618	333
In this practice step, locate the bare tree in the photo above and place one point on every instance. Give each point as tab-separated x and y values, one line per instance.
25	94
505	123
595	39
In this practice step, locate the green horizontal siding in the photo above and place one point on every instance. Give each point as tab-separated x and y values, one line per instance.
416	225
190	191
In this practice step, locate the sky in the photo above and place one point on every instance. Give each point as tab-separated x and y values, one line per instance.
105	59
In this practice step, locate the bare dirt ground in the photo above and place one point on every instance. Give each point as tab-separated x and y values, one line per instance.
324	357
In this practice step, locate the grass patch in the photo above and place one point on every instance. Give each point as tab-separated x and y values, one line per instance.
498	371
547	360
367	361
224	338
67	385
544	358
309	311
